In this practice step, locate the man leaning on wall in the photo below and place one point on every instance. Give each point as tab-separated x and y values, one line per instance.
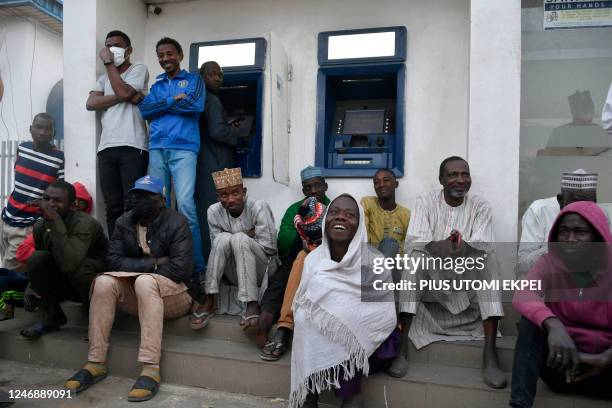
122	152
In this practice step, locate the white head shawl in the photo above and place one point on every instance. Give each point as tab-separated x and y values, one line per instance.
335	332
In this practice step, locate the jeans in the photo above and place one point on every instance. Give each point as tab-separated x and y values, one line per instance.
181	165
119	168
12	286
529	364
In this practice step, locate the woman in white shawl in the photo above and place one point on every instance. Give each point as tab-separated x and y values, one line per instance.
339	334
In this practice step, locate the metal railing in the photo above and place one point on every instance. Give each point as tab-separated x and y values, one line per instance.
8	155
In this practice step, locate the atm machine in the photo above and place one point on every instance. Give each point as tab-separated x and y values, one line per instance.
243	63
360	101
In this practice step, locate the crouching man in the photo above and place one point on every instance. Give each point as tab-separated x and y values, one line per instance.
70	248
243	239
151	255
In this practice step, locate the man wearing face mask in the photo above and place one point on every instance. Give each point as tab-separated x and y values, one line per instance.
151	253
122	152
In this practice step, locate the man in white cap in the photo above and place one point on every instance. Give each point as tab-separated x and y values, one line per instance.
243	237
541	214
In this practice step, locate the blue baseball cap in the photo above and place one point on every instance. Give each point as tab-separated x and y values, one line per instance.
149	183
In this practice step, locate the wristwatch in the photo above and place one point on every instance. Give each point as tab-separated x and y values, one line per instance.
107	62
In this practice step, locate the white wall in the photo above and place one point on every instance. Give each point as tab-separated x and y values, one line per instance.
436	88
493	143
30	63
463	82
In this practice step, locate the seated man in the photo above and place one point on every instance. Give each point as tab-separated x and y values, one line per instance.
308	223
539	217
243	250
151	252
70	251
565	334
289	244
451	223
386	221
13	284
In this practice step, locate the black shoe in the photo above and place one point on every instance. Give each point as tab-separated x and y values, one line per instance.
312	401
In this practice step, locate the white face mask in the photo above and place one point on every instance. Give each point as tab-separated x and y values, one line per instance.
118	55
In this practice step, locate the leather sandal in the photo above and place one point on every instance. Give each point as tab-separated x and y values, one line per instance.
85	379
143	383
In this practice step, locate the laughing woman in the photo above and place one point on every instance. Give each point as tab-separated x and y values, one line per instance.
338	337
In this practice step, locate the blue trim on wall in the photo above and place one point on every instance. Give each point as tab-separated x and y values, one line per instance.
52	8
261	46
400	46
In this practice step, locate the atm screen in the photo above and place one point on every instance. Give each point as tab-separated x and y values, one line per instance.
363	122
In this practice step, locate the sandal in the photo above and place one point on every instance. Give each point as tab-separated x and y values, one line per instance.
37	330
85	379
200	320
247	318
273	350
144	383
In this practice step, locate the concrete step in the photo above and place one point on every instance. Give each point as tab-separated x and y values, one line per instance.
226	328
235	367
221	327
113	392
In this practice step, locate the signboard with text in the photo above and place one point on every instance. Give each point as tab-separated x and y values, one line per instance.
577	14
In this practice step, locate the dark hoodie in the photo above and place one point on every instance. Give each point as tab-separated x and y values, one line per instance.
588	322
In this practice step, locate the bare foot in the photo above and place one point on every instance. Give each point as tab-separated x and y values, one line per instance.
492	374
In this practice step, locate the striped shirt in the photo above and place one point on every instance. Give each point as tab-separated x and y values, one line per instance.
34	171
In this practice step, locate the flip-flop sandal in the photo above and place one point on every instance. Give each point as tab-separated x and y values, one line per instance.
199	321
247	318
268	352
38	332
144	383
85	379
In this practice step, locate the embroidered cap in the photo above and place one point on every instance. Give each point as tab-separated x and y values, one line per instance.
311	172
227	178
149	183
579	180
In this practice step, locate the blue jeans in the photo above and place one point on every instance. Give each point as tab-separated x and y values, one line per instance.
12	286
530	356
181	165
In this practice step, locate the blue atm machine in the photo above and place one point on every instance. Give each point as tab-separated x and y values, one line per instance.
360	101
243	63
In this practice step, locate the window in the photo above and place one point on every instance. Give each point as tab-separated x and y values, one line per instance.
565	79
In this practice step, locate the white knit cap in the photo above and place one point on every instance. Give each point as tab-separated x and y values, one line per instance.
579	180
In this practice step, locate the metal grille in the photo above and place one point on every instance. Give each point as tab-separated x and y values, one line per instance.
8	154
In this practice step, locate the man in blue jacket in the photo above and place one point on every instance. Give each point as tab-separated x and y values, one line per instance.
173	108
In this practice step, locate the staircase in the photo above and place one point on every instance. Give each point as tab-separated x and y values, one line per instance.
221	357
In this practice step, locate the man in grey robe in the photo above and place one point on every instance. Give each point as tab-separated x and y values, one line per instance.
218	139
243	236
